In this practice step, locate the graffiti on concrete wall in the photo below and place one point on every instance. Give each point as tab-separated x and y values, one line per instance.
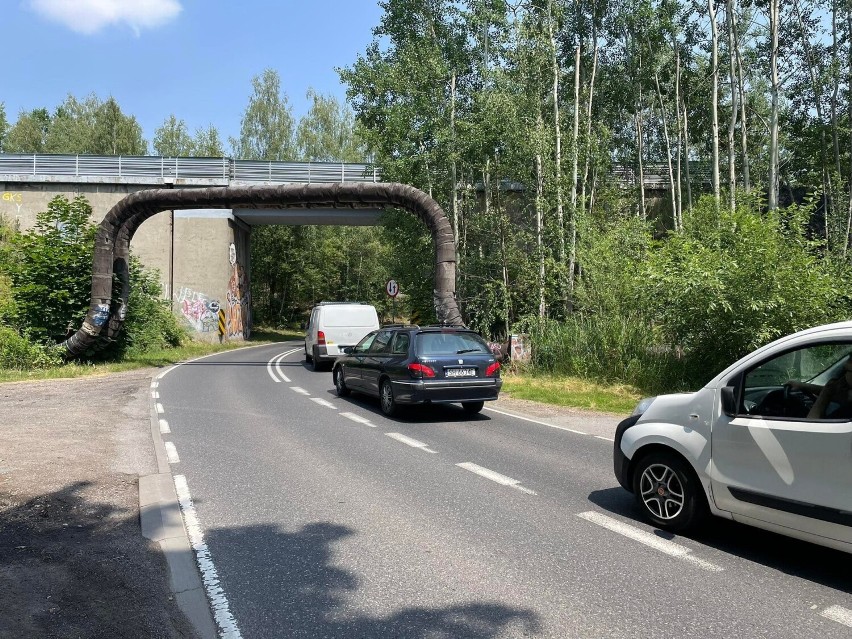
13	198
238	297
200	312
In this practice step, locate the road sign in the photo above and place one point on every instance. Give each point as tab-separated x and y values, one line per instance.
392	288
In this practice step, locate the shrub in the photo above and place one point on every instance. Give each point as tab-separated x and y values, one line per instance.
17	352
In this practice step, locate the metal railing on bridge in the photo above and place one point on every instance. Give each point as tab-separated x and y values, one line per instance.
38	167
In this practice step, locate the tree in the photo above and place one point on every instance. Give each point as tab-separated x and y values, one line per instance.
267	126
4	127
29	133
172	139
207	144
115	133
327	132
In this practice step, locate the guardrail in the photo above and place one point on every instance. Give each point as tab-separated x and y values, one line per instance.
157	169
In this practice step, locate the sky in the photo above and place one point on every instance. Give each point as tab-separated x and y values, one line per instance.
191	58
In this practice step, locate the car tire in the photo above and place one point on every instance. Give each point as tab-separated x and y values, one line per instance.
316	364
387	400
668	492
340	383
472	407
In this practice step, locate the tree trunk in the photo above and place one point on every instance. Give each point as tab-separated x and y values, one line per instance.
742	101
640	151
714	106
668	149
453	178
539	203
774	20
686	155
678	195
732	123
572	220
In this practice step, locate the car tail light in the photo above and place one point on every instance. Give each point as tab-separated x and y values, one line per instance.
320	338
493	370
420	370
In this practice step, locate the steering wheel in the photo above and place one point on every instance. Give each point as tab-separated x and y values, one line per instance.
797	395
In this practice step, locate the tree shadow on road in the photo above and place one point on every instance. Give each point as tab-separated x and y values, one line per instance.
284	584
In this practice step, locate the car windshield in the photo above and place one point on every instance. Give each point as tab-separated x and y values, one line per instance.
450	343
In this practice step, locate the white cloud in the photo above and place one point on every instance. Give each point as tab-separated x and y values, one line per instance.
90	16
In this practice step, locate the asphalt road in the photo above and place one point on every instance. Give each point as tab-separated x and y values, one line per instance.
323	518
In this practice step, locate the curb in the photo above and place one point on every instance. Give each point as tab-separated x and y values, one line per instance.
162	522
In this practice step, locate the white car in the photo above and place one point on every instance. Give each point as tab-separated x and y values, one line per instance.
768	442
335	325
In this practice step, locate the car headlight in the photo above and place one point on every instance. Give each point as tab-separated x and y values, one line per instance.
643	405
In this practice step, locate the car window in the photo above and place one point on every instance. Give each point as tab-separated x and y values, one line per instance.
806	383
364	344
400	344
382	342
450	343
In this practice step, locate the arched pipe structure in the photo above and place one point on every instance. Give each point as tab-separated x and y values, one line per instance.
112	244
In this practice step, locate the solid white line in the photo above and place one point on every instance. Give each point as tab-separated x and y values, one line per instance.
278	365
160	410
323	402
410	442
218	601
535	421
358	418
164	427
275	361
155	395
838	614
155	384
649	539
300	390
606	439
171	453
495	476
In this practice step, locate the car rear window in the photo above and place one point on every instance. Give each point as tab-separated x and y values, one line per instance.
350	316
450	344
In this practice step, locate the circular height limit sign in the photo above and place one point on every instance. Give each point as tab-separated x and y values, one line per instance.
392	288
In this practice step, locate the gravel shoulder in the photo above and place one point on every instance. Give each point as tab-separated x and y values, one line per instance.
73	561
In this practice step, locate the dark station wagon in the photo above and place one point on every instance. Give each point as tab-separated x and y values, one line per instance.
414	365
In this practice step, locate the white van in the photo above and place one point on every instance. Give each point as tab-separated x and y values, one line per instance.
335	325
767	442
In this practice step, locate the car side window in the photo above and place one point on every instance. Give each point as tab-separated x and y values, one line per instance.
382	342
364	344
400	344
812	383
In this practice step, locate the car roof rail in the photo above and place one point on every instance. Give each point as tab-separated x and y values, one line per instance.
400	326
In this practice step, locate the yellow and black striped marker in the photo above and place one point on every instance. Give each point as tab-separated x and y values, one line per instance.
221	322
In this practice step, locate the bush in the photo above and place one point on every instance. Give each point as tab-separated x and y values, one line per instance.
17	352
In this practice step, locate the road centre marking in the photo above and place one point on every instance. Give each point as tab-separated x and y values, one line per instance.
278	368
358	418
300	390
164	427
323	402
606	439
171	453
496	477
535	421
276	363
838	614
160	410
410	442
155	395
218	601
649	539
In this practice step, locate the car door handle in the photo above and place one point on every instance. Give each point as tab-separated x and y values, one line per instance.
694	416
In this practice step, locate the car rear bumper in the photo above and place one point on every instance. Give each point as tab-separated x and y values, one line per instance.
438	391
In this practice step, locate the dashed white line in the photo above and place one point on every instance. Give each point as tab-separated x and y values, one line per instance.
358	418
411	442
838	614
496	477
164	427
160	409
300	390
323	402
171	453
535	421
155	384
218	601
155	395
657	543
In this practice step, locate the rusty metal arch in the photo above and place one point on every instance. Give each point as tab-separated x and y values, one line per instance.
112	245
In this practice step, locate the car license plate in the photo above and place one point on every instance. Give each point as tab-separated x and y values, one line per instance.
460	372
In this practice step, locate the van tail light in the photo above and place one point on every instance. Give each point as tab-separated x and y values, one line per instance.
493	370
320	338
420	370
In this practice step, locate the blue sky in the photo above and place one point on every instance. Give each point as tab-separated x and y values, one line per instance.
193	58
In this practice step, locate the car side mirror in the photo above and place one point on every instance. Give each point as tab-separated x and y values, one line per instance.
729	401
348	349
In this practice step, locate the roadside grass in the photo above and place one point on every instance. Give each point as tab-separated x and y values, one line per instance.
151	359
573	392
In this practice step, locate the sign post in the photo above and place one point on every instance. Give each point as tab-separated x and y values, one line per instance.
392	289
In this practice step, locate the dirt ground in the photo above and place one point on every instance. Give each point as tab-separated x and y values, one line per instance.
73	562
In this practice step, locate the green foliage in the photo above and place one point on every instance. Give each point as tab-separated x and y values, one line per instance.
172	139
19	353
266	132
51	269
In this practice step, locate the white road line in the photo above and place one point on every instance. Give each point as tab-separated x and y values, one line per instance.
535	421
155	384
278	365
276	361
171	453
358	418
160	410
300	390
155	395
218	601
606	439
649	539
495	476
164	427
323	402
838	614
411	442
